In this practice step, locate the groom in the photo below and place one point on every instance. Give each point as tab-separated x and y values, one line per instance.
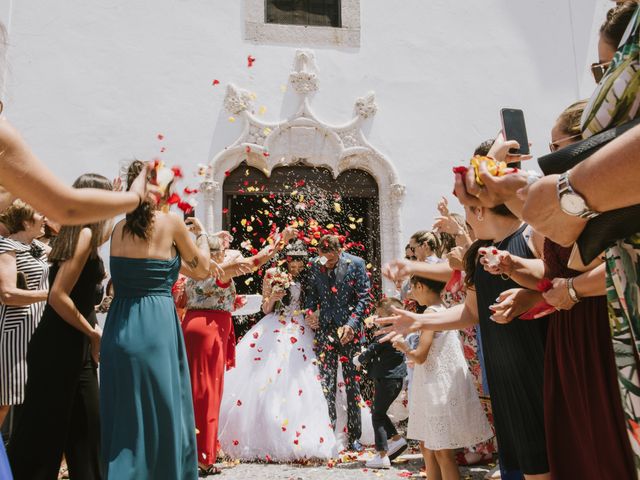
337	300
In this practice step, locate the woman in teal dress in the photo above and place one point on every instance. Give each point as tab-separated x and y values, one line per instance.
145	392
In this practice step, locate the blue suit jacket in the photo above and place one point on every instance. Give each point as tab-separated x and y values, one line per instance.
349	303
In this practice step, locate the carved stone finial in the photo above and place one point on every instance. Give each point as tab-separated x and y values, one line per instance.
304	78
237	100
397	191
366	106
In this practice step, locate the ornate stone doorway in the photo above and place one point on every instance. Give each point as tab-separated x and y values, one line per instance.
303	138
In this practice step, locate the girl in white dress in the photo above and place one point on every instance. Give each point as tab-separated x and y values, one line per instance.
444	409
273	407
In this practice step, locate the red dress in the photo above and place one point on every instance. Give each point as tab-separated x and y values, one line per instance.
584	422
210	341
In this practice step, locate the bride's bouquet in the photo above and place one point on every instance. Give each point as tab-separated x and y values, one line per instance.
280	281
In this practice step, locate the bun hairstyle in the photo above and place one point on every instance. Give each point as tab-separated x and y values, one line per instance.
618	19
570	119
138	223
64	245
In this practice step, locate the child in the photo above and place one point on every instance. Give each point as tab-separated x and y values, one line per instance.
444	409
386	367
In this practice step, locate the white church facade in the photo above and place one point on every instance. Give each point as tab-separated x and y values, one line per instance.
400	91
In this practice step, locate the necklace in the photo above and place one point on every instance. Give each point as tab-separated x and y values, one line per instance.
499	244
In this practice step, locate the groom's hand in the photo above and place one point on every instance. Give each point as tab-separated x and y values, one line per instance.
312	319
347	334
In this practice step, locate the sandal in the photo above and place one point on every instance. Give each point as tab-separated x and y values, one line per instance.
210	470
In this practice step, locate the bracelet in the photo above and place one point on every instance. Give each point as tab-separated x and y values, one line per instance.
572	291
200	235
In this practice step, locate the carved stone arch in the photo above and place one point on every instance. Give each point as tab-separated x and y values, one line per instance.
304	137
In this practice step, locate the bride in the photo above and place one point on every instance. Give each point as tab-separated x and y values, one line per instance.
273	407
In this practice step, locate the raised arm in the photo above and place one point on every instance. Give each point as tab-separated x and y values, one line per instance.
25	176
607	180
196	254
10	294
60	299
454	318
269	299
526	272
401	269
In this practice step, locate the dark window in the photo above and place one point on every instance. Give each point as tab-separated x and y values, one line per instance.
320	13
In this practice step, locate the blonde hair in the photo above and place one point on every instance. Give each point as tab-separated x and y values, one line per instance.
15	215
570	119
214	242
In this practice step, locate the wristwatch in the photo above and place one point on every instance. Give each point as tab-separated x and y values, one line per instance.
571	202
572	291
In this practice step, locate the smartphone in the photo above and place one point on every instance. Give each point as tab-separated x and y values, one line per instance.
514	128
192	213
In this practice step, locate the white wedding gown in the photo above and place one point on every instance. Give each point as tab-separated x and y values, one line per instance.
273	407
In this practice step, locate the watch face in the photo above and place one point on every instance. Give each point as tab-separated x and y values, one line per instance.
572	204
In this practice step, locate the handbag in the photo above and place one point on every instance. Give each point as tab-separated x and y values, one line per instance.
604	230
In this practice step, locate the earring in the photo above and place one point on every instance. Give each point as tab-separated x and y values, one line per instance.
480	218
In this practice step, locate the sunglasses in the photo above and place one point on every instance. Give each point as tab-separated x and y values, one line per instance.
599	69
554	146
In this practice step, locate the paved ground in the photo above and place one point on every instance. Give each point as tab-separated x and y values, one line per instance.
407	466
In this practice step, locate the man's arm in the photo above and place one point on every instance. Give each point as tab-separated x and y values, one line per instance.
362	290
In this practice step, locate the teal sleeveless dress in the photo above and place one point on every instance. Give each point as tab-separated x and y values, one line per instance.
145	392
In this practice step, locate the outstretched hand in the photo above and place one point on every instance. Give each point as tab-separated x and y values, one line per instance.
402	323
397	270
496	262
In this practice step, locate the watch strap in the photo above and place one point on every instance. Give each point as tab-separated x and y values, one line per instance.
572	291
564	188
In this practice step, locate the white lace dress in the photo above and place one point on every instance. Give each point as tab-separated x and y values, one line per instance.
444	409
273	407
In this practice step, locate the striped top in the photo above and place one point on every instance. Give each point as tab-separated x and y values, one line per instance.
17	324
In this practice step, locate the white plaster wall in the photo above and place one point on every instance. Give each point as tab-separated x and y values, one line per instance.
93	82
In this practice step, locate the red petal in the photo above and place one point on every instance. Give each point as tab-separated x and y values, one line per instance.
216	82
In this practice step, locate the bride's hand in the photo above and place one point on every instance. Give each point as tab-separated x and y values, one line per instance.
277	296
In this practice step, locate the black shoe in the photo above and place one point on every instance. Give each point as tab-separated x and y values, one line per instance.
356	446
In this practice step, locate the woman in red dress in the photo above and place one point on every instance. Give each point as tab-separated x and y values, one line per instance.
210	339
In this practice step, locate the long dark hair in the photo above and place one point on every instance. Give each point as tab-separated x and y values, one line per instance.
138	223
471	256
64	245
302	279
